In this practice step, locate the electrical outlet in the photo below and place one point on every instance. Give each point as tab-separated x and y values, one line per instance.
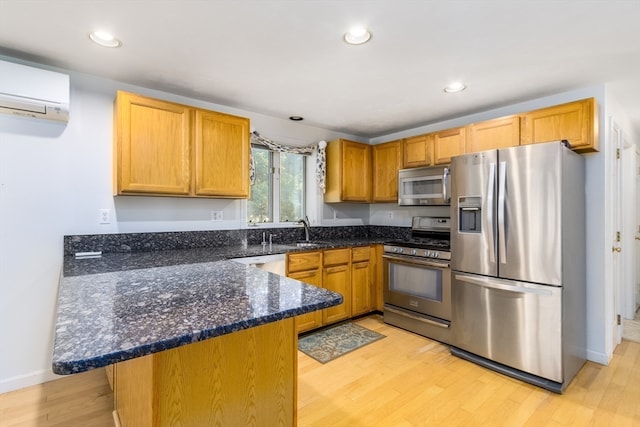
390	215
104	216
216	215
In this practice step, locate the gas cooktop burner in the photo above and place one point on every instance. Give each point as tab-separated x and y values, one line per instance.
429	239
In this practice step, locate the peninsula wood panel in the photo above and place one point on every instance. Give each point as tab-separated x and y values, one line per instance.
221	155
494	134
153	146
244	378
387	160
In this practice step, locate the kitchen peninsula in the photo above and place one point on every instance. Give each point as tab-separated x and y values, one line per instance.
206	343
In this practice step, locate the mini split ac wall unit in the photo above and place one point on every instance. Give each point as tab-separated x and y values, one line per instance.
33	92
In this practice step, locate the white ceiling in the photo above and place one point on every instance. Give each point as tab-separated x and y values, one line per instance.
287	57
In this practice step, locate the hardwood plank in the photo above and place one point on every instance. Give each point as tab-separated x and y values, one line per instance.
401	380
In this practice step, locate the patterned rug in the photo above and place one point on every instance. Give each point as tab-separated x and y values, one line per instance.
328	344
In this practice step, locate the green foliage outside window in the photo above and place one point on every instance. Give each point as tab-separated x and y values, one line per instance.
290	172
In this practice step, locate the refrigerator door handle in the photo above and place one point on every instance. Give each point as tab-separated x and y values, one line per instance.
511	286
502	239
490	207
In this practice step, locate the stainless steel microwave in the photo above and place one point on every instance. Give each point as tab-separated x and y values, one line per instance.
425	186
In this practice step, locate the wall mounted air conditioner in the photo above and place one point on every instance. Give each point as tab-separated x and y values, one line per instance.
33	92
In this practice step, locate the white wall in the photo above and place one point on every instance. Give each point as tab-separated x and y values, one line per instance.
54	180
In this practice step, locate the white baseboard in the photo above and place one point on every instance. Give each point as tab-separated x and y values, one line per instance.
597	357
22	381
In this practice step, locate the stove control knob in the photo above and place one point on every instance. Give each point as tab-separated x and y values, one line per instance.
435	254
426	254
395	250
413	252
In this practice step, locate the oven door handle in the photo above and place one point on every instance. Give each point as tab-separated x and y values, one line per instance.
415	261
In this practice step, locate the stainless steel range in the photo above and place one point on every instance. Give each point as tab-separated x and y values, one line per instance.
417	279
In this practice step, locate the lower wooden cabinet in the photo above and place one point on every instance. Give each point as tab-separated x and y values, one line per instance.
361	280
336	276
350	272
312	320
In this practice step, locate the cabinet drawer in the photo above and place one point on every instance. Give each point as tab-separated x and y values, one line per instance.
360	254
303	261
337	256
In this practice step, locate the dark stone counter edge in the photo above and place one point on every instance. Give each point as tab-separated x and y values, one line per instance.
69	367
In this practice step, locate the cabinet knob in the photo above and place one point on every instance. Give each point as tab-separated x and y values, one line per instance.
616	249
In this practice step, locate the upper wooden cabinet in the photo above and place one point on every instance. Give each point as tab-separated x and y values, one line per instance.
575	121
222	155
164	148
448	143
152	147
387	160
348	176
418	151
494	134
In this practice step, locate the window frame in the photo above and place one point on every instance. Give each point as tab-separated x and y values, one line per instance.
274	190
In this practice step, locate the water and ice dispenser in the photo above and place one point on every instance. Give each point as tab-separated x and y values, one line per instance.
469	214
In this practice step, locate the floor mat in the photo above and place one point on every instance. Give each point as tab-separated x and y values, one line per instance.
335	341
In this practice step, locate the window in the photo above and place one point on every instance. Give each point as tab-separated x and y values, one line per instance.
278	193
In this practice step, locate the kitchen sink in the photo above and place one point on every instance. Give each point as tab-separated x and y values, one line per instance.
310	244
307	245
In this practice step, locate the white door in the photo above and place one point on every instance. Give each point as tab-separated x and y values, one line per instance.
629	230
616	248
637	231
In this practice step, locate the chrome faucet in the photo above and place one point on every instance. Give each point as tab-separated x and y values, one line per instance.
305	222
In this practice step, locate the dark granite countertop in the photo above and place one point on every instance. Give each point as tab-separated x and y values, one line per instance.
126	305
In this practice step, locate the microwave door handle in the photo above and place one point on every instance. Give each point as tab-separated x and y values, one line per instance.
445	188
490	207
502	239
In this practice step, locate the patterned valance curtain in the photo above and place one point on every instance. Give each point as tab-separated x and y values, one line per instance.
321	158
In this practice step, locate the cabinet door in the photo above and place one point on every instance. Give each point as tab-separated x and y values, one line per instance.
306	322
361	301
153	140
447	144
494	134
303	261
337	279
418	151
574	121
222	155
356	172
387	160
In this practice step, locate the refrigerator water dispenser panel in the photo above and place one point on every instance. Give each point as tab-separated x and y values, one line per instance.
470	215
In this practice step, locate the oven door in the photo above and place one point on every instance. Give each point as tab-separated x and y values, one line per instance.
419	285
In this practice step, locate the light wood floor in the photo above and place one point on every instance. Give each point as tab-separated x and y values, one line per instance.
401	380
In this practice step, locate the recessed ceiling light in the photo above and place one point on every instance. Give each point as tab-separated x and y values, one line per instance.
357	35
455	87
296	118
104	38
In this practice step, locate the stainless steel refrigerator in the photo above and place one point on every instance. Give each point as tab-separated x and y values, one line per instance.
518	262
